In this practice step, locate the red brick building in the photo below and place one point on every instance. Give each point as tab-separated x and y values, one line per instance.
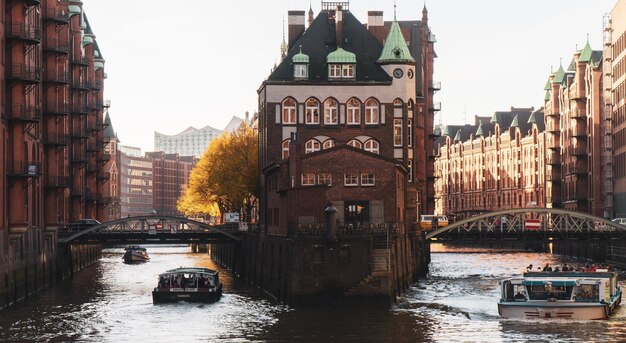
51	138
171	178
346	118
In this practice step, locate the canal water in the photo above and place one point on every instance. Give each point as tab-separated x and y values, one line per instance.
456	302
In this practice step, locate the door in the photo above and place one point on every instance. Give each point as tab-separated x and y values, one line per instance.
356	212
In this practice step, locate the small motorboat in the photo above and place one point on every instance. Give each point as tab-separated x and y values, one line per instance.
188	284
134	254
567	295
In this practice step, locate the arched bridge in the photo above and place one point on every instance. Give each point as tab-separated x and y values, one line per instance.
531	224
152	229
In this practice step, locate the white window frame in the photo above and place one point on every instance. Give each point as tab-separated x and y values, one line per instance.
331	112
372	114
312	145
351	179
397	132
372	146
307	179
368	179
347	71
355	143
334	71
312	113
410	167
289	112
285	150
325	179
300	71
329	143
409	132
354	112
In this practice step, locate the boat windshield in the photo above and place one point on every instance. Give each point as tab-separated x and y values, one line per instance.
550	291
187	280
587	293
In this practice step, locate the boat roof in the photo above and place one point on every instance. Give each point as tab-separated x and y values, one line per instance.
135	247
191	270
577	275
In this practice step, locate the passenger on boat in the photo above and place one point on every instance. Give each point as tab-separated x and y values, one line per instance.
547	268
565	268
529	268
520	296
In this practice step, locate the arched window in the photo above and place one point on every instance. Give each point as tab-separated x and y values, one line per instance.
330	112
329	143
371	146
355	144
286	148
354	112
397	102
312	111
312	145
289	111
371	112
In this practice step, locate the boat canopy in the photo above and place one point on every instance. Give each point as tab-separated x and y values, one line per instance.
551	282
190	270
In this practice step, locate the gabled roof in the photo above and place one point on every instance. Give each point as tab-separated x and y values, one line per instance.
319	40
559	77
395	49
515	122
585	55
108	128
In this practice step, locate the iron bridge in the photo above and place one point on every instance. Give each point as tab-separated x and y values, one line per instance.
531	224
152	229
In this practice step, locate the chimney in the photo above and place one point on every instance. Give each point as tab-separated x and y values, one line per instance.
374	18
296	26
339	25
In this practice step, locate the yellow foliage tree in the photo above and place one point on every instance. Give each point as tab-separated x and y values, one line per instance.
226	178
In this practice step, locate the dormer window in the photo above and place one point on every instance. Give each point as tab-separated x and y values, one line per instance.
300	65
341	64
300	71
341	71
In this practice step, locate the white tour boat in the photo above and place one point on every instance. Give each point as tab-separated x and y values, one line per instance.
134	254
570	295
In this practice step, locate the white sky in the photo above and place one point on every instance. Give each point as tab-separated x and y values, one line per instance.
175	64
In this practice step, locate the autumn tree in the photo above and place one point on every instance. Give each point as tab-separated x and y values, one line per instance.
226	178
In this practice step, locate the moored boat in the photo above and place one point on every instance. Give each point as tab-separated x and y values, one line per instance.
568	295
191	284
135	253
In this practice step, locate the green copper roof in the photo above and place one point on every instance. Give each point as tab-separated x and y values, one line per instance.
494	118
300	57
87	40
341	56
457	138
73	10
395	49
548	85
585	55
572	65
446	131
515	122
98	65
559	76
532	119
479	132
548	96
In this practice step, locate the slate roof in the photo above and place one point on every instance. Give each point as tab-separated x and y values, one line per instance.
319	40
108	129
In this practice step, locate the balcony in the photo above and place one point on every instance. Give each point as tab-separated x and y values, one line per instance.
104	157
78	157
92	168
27	73
553	176
553	158
24	169
25	113
101	175
56	139
104	200
580	130
578	150
56	14
79	133
57	46
80	60
578	167
435	85
56	108
552	124
56	76
578	113
32	2
81	109
99	84
81	192
553	143
91	147
54	181
80	84
436	106
30	33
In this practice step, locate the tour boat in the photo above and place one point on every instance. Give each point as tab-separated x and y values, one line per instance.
135	253
188	284
568	295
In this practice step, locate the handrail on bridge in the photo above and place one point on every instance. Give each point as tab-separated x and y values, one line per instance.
536	210
152	219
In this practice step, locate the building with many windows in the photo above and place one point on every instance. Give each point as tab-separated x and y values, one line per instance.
136	184
170	179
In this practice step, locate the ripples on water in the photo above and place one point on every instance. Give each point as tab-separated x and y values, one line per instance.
111	302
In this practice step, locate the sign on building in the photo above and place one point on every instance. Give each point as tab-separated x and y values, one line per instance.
533	224
231	217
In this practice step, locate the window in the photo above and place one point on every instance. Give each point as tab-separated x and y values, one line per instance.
300	71
330	112
347	71
355	144
329	143
409	132
354	112
289	111
312	111
410	165
324	179
371	111
334	71
308	179
312	146
351	179
286	149
397	132
367	179
372	146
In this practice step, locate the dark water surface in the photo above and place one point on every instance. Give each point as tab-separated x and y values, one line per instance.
111	302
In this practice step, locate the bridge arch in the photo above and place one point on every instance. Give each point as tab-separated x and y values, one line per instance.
154	229
551	219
